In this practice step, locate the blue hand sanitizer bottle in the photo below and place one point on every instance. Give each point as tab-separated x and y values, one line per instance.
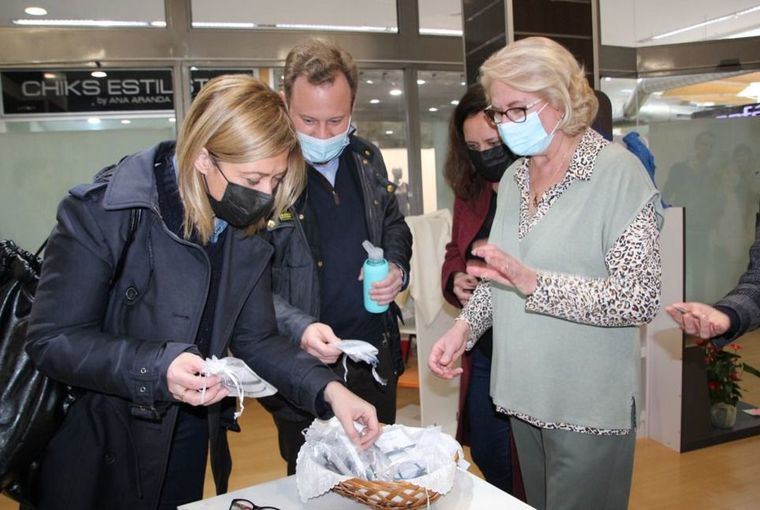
375	269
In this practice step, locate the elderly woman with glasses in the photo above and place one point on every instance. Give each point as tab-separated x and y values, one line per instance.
572	267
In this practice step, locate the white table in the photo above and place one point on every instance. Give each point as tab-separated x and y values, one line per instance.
469	493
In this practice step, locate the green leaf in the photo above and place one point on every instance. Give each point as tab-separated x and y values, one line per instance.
751	370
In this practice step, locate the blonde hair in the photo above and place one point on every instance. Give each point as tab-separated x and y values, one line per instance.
319	61
540	65
238	119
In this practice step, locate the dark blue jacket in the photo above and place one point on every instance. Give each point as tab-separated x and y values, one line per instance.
112	449
295	274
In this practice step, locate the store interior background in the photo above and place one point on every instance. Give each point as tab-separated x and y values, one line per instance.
689	67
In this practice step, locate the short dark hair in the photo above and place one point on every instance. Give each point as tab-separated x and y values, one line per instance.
319	61
458	170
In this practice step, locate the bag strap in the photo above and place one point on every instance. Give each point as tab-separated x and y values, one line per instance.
134	221
39	250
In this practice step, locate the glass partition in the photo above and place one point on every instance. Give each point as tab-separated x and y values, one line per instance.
439	93
380	117
704	132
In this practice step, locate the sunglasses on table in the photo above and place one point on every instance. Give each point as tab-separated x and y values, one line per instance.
244	504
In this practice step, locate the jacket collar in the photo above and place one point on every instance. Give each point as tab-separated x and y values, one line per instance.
131	183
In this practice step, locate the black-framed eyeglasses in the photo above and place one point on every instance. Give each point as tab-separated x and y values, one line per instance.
515	114
244	504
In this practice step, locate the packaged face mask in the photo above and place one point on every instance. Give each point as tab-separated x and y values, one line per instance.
360	352
238	378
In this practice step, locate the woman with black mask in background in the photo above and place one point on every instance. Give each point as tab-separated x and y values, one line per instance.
475	163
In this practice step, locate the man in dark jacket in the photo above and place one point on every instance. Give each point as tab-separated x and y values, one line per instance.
318	248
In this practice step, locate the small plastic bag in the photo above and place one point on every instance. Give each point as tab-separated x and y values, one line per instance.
360	352
237	377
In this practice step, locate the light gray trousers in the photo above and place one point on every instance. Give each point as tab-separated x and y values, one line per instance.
565	470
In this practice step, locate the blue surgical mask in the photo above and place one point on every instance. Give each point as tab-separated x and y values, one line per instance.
317	150
526	138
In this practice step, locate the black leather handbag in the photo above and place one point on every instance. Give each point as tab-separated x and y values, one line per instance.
32	406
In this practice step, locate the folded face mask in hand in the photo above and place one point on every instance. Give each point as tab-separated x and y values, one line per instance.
237	377
360	352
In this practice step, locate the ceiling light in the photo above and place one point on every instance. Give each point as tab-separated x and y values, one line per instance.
374	101
455	102
751	91
126	121
395	92
705	23
369	82
222	24
754	32
421	82
35	11
193	68
98	74
172	119
50	76
607	78
389	132
101	23
336	28
440	31
464	83
93	120
432	109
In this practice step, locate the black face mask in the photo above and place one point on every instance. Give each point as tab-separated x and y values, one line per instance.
241	206
491	163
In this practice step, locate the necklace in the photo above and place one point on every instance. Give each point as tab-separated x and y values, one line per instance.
535	194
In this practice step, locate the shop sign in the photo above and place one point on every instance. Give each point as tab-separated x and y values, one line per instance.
52	92
199	77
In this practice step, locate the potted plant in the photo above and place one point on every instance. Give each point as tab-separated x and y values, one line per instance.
724	371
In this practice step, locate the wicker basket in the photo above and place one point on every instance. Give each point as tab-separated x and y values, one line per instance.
386	495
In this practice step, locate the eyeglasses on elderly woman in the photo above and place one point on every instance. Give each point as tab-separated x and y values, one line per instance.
244	504
515	114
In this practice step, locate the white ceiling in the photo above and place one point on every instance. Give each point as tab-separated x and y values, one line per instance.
435	14
132	10
634	22
624	22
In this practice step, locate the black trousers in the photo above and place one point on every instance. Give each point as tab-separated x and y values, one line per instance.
359	381
186	469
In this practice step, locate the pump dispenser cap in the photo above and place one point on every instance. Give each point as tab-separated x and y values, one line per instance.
373	252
